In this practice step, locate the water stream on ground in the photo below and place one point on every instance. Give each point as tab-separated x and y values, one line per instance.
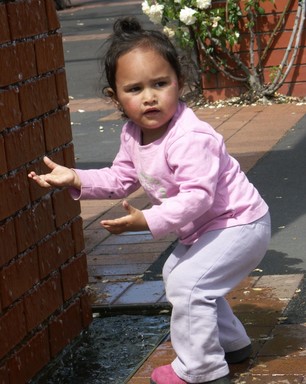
108	352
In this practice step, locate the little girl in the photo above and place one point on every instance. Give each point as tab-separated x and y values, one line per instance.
198	192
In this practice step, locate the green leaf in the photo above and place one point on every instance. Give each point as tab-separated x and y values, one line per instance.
261	10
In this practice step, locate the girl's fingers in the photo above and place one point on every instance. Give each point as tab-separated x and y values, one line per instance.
40	181
49	163
126	205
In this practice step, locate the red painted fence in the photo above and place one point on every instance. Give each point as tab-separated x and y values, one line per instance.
218	87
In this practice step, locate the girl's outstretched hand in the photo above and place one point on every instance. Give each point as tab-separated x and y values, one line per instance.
59	176
133	221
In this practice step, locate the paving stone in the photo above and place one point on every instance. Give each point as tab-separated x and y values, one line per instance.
129	239
146	292
163	355
93	237
276	365
269	379
102	271
284	286
102	249
286	340
106	293
131	258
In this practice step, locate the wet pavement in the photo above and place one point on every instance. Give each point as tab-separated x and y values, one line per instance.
108	351
125	271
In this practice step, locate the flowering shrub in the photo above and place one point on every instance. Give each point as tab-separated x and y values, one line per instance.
180	17
212	28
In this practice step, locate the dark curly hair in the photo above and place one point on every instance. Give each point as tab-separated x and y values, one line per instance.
127	35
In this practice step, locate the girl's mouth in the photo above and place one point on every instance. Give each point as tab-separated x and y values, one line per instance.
151	111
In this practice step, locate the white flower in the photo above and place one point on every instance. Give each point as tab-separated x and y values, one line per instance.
169	32
177	1
145	8
215	21
187	16
156	13
203	4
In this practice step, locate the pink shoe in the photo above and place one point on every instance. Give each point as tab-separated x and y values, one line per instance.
166	375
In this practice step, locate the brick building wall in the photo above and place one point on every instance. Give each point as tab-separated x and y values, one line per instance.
43	270
218	87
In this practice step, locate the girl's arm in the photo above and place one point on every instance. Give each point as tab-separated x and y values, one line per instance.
61	176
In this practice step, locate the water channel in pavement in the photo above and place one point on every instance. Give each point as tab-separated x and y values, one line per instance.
108	352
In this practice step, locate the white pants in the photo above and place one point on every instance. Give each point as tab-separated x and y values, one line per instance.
197	278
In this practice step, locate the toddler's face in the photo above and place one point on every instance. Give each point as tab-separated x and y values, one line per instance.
148	90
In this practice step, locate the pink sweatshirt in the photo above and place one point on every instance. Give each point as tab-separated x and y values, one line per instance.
194	184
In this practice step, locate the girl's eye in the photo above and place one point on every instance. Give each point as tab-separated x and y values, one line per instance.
160	84
134	89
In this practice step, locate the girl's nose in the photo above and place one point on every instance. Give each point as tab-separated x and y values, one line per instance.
149	96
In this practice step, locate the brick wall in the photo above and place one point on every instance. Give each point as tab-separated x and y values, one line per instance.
43	271
217	87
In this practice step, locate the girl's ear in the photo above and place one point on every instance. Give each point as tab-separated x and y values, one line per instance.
109	92
181	85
